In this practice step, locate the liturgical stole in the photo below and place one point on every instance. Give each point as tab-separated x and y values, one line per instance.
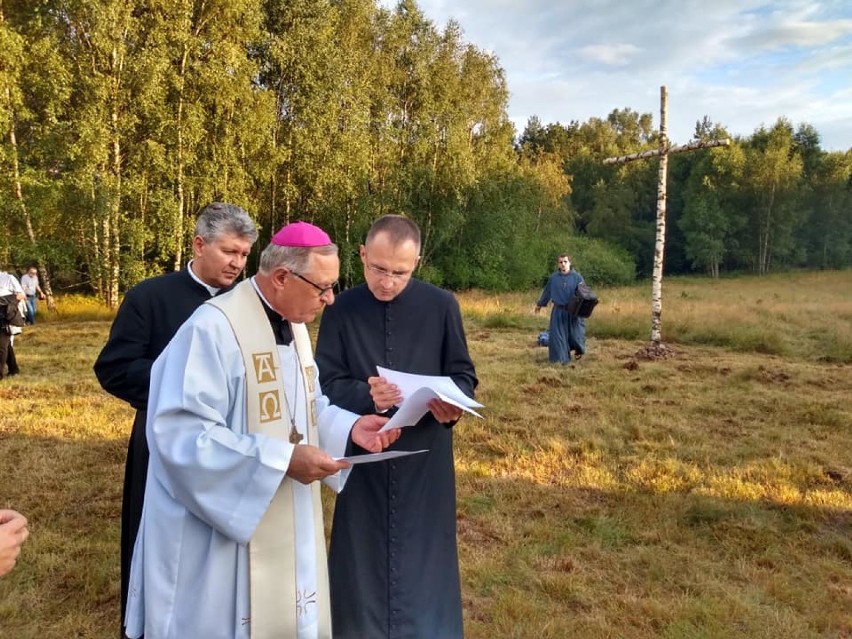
272	549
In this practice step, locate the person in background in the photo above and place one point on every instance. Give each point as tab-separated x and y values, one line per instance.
149	316
29	282
567	331
9	286
13	534
232	541
393	557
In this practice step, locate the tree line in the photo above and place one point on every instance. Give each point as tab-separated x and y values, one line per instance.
774	199
121	119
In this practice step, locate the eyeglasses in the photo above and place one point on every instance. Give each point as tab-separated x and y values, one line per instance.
322	289
378	271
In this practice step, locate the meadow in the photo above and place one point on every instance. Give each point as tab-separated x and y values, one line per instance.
704	495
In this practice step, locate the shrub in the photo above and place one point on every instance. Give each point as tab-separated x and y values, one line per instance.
600	263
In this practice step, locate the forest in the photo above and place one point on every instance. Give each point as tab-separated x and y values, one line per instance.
121	119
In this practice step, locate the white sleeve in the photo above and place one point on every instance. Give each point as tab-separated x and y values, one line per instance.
334	425
196	430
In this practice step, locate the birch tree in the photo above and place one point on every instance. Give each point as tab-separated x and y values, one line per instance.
33	87
772	172
98	38
829	227
194	74
712	219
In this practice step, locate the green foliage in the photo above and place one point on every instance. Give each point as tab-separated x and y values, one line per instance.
828	233
708	222
601	263
122	119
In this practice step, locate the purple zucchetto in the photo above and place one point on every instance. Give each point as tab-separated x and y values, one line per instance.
301	234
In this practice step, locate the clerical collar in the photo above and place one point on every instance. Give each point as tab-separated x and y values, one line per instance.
210	289
280	326
402	296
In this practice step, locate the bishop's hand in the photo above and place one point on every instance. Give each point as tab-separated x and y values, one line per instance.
365	433
309	463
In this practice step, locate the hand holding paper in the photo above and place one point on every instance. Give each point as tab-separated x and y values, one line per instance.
418	391
384	394
368	433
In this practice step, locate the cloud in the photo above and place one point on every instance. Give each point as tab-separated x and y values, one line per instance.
610	54
791	37
743	63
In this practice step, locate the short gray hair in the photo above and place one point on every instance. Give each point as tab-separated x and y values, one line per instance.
219	218
294	258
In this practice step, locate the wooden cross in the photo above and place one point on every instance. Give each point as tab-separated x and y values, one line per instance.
663	153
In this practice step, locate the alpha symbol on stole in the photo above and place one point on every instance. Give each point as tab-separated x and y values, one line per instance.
264	367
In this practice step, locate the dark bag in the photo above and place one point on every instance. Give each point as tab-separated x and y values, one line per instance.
10	312
583	302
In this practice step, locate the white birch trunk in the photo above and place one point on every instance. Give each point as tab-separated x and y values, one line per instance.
113	261
660	244
181	198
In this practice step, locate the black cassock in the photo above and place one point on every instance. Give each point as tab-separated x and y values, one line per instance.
149	316
393	559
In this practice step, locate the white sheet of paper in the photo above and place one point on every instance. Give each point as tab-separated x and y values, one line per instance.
418	390
374	457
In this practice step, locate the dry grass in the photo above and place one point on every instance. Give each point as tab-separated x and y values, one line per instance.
800	315
707	495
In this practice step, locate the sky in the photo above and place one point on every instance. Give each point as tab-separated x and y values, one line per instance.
742	63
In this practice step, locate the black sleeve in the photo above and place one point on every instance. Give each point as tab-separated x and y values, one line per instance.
123	367
457	363
337	380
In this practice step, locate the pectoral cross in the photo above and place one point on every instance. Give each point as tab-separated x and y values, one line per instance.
295	435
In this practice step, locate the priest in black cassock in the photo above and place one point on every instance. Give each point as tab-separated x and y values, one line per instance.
393	558
149	316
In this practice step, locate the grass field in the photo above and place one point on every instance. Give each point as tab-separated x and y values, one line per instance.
705	495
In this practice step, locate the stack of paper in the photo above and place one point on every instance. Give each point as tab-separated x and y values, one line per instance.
374	457
418	391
